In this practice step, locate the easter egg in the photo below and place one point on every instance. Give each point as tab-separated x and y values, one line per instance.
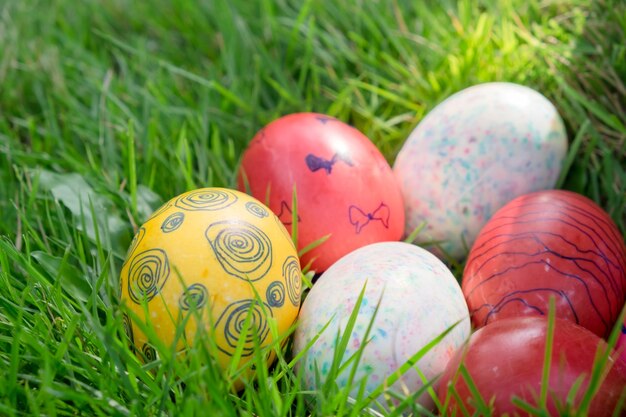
414	298
548	244
506	359
472	154
219	260
345	188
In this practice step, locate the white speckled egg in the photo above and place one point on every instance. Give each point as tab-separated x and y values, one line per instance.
472	154
419	299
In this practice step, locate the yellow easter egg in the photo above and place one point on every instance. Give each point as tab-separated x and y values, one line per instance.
221	255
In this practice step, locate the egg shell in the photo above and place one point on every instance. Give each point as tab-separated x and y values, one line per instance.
220	254
417	297
547	244
506	359
472	154
345	187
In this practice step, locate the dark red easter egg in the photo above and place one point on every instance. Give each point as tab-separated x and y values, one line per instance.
548	244
506	358
345	187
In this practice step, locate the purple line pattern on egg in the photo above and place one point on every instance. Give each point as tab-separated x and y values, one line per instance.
472	154
547	244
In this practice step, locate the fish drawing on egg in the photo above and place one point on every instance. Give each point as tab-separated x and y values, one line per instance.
471	154
315	163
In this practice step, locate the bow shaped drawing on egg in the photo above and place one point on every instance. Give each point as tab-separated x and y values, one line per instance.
285	215
359	219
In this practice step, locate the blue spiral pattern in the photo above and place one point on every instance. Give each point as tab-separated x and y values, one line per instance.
173	222
243	250
293	279
206	199
232	323
256	209
149	353
194	297
275	294
128	331
148	272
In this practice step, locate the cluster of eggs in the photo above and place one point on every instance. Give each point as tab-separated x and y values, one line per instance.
228	255
550	246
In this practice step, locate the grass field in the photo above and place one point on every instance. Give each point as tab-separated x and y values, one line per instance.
110	108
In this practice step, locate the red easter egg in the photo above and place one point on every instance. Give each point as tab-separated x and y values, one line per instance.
506	358
345	187
548	244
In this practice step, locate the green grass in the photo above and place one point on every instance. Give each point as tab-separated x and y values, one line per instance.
108	109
